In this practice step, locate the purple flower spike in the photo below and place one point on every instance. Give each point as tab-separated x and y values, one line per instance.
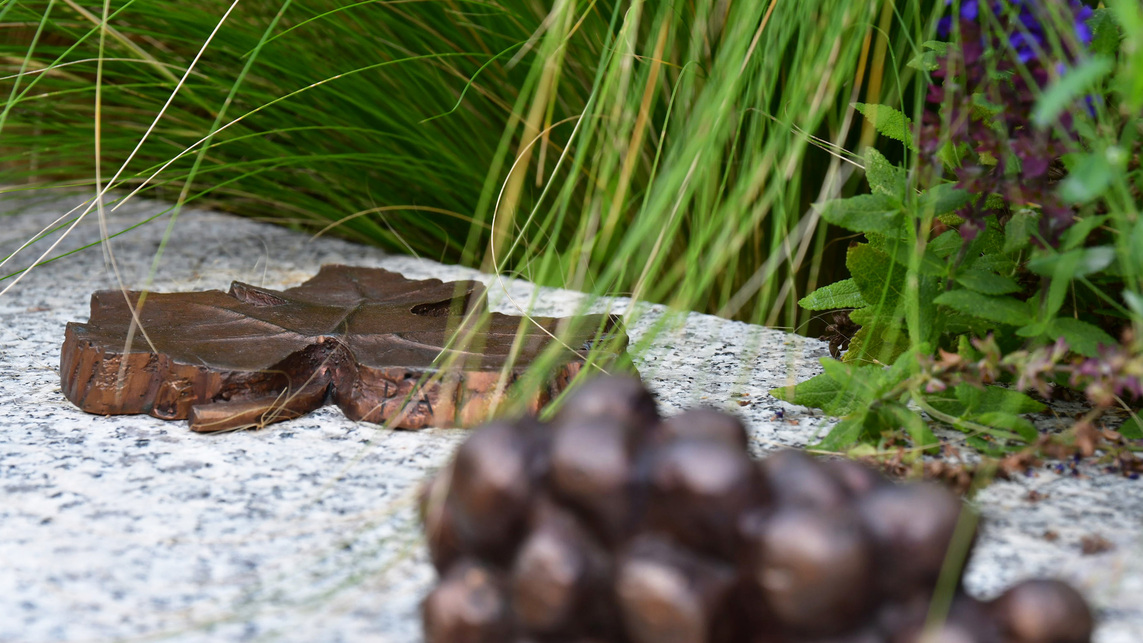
1024	50
970	9
1083	32
991	112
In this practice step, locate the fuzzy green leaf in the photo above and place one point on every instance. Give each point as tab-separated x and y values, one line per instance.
1134	260
1081	336
996	399
1018	231
1063	269
1078	233
984	446
1009	422
879	281
849	431
864	316
985	251
993	261
966	400
862	385
1066	270
897	414
939	46
921	318
930	56
988	283
1134	301
827	393
878	213
841	294
1074	263
925	61
951	155
876	344
943	198
1004	310
866	383
983	109
954	323
889	122
965	349
904	366
930	264
878	316
1104	33
884	177
1132	429
815	392
1065	91
1129	16
947	243
1088	180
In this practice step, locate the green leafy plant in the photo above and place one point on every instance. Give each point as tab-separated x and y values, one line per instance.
1035	241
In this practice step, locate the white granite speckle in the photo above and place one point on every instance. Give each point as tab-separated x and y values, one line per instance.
134	528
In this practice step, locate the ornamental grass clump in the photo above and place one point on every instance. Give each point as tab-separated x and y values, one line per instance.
664	151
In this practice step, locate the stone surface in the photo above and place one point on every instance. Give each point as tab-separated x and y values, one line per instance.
130	527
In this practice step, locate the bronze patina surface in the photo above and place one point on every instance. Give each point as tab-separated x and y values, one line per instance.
368	340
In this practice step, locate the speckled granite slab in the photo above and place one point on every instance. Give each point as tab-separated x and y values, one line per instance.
131	528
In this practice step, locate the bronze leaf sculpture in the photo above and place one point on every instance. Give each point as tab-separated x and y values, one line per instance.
372	342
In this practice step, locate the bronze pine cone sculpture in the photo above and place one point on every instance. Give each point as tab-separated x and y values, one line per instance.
612	525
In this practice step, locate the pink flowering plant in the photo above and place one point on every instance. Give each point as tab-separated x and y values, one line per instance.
1016	218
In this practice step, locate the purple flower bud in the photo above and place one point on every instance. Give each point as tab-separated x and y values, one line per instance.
944	26
969	9
1083	32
